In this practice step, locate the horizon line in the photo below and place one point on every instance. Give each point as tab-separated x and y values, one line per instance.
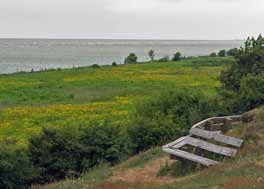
138	39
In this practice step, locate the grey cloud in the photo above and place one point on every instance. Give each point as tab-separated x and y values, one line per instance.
211	19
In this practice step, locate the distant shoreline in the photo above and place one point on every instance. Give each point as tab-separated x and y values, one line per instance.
18	55
113	39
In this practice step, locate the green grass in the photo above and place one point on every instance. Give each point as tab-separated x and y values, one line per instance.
90	181
75	97
141	159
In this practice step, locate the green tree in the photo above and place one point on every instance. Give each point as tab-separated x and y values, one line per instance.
114	64
249	60
222	53
213	54
177	56
131	58
151	55
232	52
242	81
164	59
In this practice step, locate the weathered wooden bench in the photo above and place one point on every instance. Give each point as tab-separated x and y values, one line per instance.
204	135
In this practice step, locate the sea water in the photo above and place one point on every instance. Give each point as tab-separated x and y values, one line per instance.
18	55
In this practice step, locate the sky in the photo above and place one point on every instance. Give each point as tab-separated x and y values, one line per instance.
131	19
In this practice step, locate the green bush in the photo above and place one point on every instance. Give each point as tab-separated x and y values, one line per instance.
131	59
177	56
222	53
114	64
242	82
56	154
16	170
251	92
164	59
167	117
232	52
104	143
213	54
95	66
60	153
249	60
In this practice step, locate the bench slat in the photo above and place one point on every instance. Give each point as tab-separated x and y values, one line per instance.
192	157
217	136
210	147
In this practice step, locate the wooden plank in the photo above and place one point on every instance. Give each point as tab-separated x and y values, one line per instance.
200	124
210	147
189	156
217	136
176	142
228	140
179	145
234	118
204	133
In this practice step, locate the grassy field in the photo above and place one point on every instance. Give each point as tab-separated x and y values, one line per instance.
74	97
140	172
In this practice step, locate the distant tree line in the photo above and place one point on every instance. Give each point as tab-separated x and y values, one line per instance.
132	57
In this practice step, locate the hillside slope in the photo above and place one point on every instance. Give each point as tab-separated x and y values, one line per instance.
59	98
246	171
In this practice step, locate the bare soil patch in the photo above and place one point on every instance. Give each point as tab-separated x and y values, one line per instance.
147	174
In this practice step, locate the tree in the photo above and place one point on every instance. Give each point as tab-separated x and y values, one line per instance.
213	54
176	56
164	59
222	53
232	52
114	64
249	60
132	58
151	55
242	81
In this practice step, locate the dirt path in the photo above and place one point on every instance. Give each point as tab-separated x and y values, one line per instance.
147	174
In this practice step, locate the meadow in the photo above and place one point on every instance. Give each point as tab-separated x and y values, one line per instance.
74	97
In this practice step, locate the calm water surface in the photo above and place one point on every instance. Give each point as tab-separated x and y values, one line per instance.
26	54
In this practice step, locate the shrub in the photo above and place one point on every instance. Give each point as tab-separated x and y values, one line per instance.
132	58
95	66
55	154
242	81
60	153
232	52
167	117
249	60
114	64
16	170
176	56
251	92
213	54
151	55
104	143
164	59
222	53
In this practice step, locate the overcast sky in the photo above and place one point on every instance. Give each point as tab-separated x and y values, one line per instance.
131	19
